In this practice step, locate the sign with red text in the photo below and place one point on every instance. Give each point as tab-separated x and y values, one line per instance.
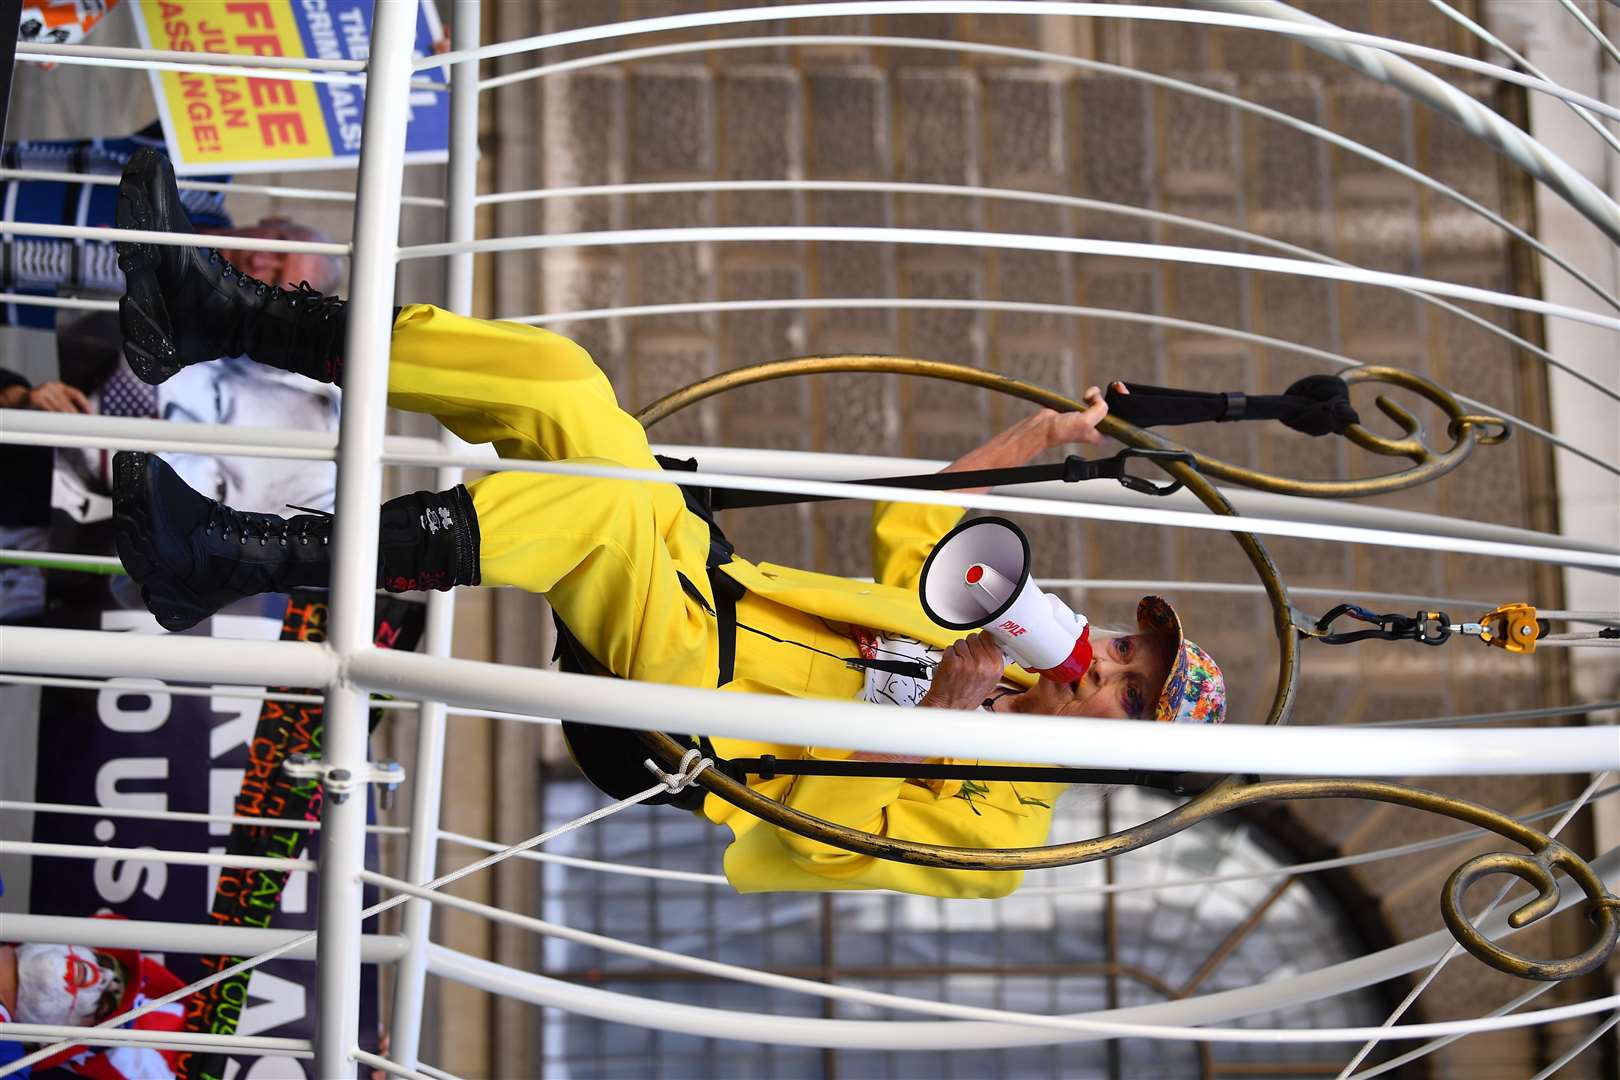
232	123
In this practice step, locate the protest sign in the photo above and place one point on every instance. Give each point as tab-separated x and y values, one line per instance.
231	123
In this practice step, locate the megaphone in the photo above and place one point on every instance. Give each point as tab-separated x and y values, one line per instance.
977	577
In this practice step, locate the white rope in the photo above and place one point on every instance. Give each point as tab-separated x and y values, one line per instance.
1569	1055
879	1000
998	241
1607	618
1430	1047
1457	949
1041	57
270	954
1039	197
935	303
1008	7
1578	641
234	187
690	877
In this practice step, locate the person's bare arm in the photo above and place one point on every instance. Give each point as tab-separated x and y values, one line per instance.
1034	435
46	397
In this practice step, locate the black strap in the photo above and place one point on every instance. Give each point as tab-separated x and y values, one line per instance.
1425	627
767	766
1314	405
726	594
1070	471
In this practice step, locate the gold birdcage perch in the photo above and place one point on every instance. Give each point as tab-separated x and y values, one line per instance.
1466	430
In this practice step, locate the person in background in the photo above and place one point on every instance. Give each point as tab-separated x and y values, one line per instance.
25	516
53	267
78	986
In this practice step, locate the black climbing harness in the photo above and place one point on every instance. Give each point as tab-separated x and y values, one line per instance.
1425	627
610	758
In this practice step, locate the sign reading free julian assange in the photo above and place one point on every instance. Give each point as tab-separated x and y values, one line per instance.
232	123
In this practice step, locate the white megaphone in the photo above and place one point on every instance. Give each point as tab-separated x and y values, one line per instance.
978	577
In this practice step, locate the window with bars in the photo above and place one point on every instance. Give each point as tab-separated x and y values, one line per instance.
1062	944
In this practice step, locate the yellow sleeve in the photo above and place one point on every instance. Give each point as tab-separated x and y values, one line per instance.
902	536
898	810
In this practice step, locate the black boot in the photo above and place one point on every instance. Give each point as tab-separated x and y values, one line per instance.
185	305
191	555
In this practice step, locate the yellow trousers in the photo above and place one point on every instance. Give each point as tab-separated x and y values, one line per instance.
606	553
609	554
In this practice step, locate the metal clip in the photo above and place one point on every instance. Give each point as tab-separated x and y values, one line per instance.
339	784
1077	468
1425	627
1512	627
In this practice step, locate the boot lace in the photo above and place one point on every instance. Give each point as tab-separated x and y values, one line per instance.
264	527
302	297
232	275
245	527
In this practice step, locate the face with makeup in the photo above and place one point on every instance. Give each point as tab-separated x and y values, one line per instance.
1126	677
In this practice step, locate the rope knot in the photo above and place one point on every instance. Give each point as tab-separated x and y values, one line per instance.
692	765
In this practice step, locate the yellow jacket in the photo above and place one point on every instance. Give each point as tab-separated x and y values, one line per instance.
797	603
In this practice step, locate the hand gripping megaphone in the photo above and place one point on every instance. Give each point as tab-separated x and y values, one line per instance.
977	576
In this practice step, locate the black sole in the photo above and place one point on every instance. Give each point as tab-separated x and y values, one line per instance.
143	317
173	605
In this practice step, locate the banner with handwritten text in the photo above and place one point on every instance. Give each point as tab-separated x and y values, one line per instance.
234	123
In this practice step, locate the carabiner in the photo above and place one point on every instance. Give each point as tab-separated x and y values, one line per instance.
1141	484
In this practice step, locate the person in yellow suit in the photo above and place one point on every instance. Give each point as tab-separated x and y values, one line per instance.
623	563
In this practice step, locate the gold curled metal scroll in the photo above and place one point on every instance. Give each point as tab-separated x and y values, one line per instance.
1225	794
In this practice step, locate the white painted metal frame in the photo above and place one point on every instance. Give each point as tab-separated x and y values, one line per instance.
349	667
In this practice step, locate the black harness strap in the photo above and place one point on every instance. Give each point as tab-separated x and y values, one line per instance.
767	766
611	758
1069	471
1314	405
